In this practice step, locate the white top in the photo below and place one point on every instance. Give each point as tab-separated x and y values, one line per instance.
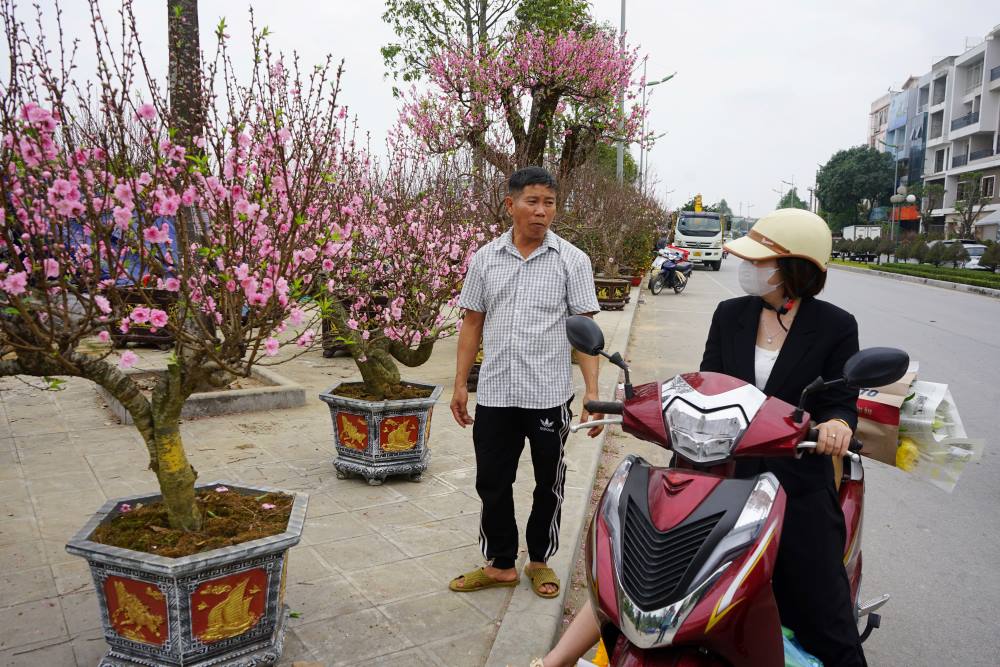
763	364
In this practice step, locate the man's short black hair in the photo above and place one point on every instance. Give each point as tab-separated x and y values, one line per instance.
522	178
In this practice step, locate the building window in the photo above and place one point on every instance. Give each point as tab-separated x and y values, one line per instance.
938	161
974	78
989	187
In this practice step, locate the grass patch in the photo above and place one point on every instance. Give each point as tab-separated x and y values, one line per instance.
947	274
848	262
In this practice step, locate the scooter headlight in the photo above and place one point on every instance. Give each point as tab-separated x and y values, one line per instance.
703	437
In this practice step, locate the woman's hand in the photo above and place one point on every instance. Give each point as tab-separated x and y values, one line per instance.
834	438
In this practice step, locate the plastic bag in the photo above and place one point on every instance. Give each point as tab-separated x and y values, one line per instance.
795	655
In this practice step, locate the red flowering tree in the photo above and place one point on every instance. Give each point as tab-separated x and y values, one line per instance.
100	203
536	98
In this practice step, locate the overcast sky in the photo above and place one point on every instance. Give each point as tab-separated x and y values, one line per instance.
765	90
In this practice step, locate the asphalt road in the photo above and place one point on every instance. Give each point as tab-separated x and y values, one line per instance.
937	554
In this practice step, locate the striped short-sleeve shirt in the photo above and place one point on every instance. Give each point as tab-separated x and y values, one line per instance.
526	355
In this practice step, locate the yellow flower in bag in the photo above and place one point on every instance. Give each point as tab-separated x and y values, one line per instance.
907	454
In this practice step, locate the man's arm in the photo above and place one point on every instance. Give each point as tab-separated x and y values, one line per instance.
468	345
590	367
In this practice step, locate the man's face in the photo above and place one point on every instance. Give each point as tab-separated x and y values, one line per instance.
532	211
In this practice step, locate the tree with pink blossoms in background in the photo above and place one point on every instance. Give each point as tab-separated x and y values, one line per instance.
540	96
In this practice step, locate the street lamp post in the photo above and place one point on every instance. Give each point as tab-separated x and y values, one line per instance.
900	197
642	144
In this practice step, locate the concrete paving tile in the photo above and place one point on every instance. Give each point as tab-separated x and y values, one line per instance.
89	647
61	528
305	565
413	657
14	531
13	489
471	648
55	552
118	487
81	611
84	420
359	553
447	565
356	494
463	479
31	623
429	486
22	555
394	516
36	464
393	582
334	527
116	464
432	617
449	505
27	585
432	538
325	598
63	483
80	505
352	638
48	654
72	576
10	465
492	602
40	425
295	651
322	504
16	508
442	463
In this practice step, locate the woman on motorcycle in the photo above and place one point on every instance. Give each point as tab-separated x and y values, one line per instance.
780	338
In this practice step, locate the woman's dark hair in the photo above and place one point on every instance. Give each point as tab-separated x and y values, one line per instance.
802	278
522	178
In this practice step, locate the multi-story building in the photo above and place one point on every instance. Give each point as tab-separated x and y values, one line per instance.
878	119
942	126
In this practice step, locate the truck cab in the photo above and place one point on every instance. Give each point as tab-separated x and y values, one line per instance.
700	232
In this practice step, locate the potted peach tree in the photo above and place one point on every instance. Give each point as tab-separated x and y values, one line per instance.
189	573
412	233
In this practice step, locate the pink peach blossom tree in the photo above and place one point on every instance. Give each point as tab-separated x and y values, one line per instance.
537	98
101	204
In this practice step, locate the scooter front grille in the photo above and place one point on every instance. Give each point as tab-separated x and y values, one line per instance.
654	562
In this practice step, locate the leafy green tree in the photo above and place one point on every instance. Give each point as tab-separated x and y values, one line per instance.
851	182
970	202
791	199
606	158
887	247
936	254
991	257
724	209
905	251
554	16
956	254
920	251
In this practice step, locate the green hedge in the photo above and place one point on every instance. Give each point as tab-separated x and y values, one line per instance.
963	276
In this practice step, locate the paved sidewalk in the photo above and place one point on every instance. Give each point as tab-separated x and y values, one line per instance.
369	579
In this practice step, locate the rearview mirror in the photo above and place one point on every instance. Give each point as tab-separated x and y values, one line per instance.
876	367
584	334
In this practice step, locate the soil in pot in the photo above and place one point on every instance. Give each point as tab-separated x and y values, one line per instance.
229	518
357	391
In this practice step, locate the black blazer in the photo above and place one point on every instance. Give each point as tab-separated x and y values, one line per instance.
821	339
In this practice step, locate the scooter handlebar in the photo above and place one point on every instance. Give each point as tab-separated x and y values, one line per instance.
604	407
813	436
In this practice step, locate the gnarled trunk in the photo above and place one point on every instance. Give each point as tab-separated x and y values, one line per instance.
173	471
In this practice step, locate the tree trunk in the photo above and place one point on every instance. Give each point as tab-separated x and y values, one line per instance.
378	371
173	471
187	112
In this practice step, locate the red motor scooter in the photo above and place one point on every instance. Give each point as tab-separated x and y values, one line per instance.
679	559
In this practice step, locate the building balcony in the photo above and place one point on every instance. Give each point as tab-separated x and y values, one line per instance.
959	161
981	153
964	121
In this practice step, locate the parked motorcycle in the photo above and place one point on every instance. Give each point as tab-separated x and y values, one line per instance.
670	269
680	558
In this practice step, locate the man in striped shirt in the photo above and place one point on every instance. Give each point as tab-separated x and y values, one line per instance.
518	292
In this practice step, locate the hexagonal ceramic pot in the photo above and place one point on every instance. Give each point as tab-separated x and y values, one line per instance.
376	439
223	607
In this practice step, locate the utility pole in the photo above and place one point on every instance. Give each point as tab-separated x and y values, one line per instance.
621	110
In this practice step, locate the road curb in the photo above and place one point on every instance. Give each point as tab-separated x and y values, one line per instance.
943	284
530	623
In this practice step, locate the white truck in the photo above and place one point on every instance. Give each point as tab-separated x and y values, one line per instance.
701	233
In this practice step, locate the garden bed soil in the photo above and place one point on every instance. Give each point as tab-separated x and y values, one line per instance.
356	390
229	518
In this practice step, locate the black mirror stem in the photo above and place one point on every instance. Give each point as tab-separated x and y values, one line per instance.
618	361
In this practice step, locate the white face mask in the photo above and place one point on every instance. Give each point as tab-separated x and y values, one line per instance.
753	279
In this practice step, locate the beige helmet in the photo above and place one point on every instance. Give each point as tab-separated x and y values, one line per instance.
787	232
